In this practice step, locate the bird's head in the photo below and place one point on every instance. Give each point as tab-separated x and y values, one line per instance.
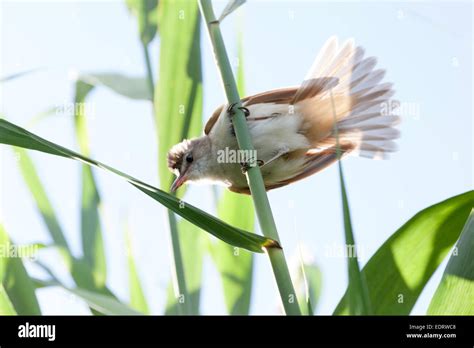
188	160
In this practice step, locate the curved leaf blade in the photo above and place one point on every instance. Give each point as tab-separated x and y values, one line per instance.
97	301
127	86
455	293
207	222
13	135
102	303
15	280
411	255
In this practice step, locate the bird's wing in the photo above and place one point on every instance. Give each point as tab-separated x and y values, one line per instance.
275	96
288	95
212	121
315	162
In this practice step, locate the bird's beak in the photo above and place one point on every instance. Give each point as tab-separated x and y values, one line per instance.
178	182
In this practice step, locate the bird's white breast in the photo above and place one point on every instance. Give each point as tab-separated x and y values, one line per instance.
269	135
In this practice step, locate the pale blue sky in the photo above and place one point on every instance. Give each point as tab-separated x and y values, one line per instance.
426	48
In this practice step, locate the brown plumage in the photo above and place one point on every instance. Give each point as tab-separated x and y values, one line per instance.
293	128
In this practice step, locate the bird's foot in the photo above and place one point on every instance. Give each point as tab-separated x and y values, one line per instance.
244	167
245	111
231	113
231	110
247	165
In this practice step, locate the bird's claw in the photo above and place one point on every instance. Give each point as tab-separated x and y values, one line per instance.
244	167
247	165
245	111
231	111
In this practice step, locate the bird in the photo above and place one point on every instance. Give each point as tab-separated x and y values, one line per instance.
342	107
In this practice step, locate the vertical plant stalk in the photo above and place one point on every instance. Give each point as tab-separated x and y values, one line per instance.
179	282
359	301
178	269
149	71
91	227
254	176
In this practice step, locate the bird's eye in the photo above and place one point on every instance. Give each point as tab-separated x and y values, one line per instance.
189	158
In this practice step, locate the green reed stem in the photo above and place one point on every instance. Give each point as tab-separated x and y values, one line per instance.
179	279
254	176
359	301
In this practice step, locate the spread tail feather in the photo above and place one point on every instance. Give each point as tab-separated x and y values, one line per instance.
359	101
